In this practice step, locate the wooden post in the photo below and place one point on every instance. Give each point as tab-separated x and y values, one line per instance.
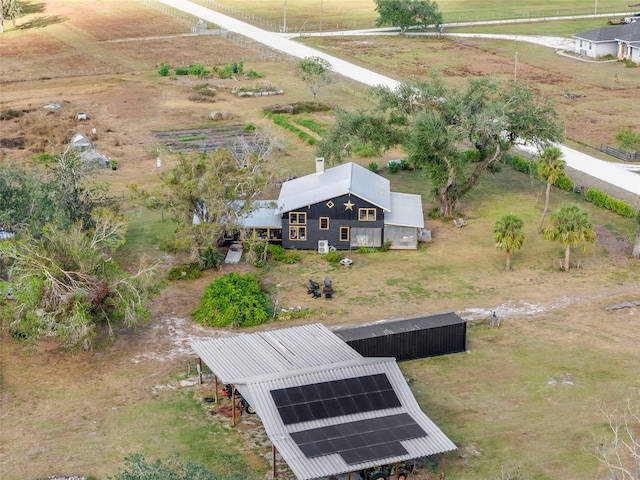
397	470
442	466
348	475
216	394
200	369
233	405
273	452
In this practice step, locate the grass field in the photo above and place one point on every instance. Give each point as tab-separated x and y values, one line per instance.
526	394
304	15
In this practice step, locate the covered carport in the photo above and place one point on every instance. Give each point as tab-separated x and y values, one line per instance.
326	409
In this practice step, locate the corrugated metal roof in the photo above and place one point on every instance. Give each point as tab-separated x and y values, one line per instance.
406	210
336	181
254	354
398	326
260	362
257	392
264	214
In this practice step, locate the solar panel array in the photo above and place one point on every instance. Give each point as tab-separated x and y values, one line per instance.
334	398
361	441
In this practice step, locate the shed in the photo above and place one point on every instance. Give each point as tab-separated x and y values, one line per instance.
410	338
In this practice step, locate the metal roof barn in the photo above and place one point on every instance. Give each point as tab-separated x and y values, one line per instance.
410	338
326	409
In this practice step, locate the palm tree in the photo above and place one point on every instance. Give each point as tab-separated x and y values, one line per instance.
508	234
550	168
571	226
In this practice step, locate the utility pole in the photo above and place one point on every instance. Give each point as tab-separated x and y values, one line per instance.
284	27
595	10
321	17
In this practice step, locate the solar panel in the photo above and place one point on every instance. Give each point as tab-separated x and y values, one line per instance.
357	442
335	398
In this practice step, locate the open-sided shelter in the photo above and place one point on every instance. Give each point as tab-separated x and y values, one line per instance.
326	409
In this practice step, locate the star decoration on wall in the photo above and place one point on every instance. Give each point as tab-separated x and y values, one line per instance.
349	205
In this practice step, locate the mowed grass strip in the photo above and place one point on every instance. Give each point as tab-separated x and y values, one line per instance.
304	15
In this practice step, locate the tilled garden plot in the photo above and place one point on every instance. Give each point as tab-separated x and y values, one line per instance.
231	137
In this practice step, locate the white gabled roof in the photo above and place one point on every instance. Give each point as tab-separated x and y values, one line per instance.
333	182
406	211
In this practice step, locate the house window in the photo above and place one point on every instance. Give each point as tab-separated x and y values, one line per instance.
324	223
367	214
344	234
298	233
589	45
297	218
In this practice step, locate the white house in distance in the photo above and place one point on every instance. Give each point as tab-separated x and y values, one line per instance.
623	41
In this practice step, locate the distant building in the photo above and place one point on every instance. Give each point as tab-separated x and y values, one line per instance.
622	41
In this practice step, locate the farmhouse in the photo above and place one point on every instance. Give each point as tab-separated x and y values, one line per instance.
326	409
342	208
623	41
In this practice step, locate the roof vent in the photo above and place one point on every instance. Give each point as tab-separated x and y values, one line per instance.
319	165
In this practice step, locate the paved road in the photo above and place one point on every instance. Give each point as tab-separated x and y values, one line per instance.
613	173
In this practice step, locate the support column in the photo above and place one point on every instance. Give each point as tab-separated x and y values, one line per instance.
273	453
233	405
442	466
200	370
216	391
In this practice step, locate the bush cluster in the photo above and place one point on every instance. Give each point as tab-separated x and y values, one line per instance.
565	183
280	254
601	199
188	271
334	257
233	300
520	163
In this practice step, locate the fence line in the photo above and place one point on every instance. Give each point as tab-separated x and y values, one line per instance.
626	156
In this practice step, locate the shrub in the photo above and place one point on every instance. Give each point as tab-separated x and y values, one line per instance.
233	300
163	69
44	158
280	254
386	246
252	74
404	164
393	167
228	70
365	250
565	183
250	127
373	167
471	155
211	258
601	199
198	70
188	271
365	150
182	71
333	257
519	163
9	113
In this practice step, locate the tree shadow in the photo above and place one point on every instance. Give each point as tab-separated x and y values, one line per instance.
29	8
41	22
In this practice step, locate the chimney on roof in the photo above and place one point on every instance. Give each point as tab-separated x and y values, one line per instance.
319	165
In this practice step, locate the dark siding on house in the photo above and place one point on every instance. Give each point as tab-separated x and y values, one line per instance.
338	216
409	339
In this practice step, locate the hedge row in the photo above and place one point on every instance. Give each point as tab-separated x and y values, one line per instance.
601	199
529	167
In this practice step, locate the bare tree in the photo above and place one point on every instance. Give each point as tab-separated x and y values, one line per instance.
619	450
9	10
